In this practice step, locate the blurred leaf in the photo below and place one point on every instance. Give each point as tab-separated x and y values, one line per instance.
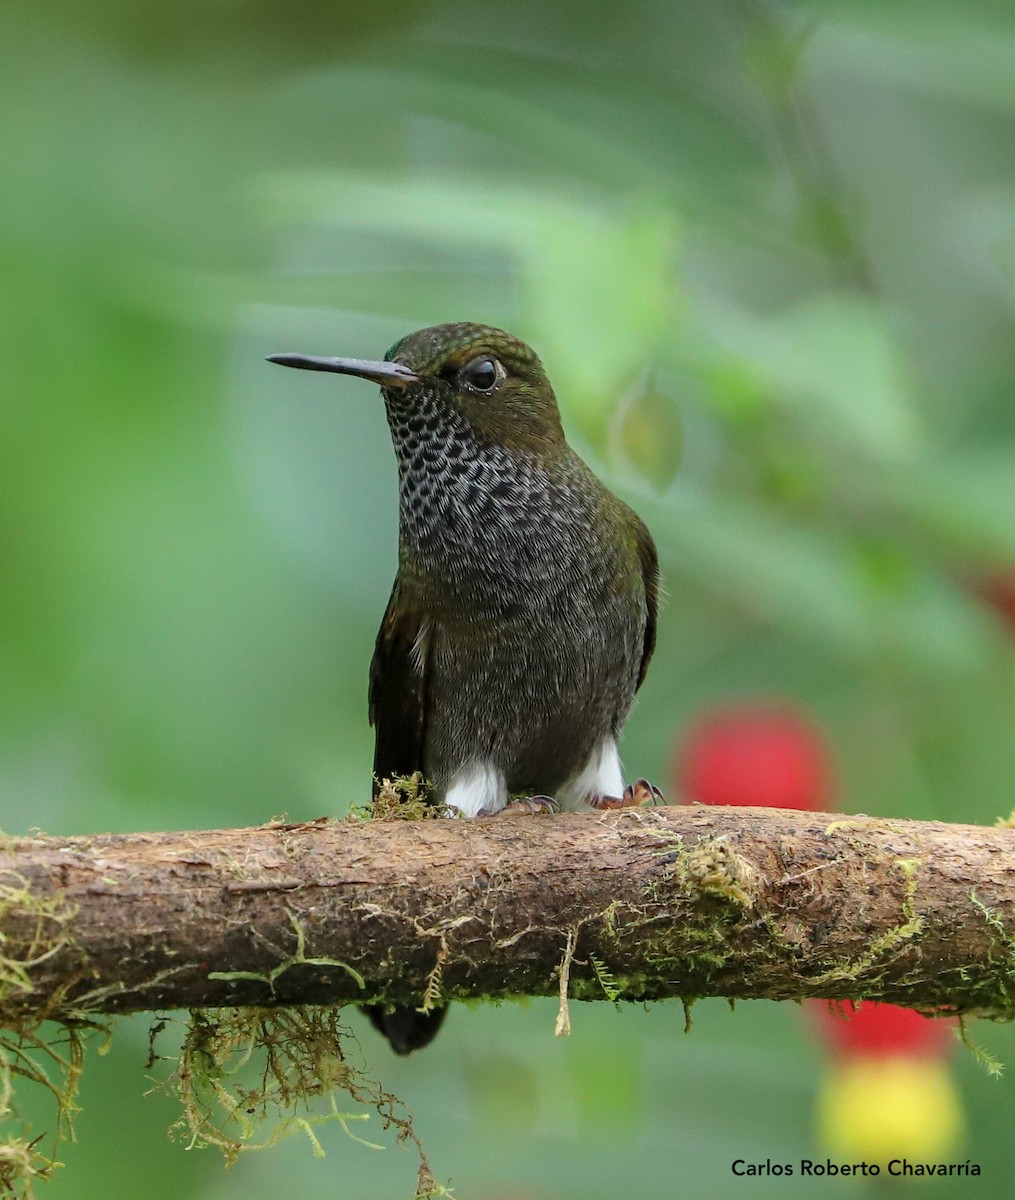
832	361
605	286
820	586
773	53
651	434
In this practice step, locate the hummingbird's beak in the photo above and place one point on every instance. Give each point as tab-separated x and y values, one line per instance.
387	374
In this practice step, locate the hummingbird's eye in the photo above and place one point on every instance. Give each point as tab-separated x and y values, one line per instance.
482	374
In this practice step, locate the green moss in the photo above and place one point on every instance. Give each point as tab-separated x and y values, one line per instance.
1001	955
248	1077
404	798
52	1061
983	1058
905	931
245	1077
720	884
607	981
42	923
714	869
297	959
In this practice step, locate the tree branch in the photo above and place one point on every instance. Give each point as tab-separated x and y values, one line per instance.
642	904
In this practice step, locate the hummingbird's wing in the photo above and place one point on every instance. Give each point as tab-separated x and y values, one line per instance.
649	560
399	688
399	696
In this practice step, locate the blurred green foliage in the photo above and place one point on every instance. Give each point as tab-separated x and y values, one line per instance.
768	258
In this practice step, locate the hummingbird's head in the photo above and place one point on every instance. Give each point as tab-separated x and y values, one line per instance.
491	379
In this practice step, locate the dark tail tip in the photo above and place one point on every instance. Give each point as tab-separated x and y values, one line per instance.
407	1029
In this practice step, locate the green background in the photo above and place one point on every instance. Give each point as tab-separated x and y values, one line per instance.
773	249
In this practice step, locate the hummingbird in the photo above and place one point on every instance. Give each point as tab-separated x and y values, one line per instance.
523	613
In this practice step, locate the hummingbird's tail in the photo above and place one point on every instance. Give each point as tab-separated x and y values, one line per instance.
406	1028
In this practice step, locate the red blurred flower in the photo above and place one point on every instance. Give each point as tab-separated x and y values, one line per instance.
879	1030
754	754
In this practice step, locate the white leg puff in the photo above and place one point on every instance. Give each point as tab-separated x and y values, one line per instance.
477	787
601	776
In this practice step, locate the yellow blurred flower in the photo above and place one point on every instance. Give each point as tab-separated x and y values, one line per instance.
877	1109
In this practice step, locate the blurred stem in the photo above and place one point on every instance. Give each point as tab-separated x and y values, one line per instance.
663	902
773	54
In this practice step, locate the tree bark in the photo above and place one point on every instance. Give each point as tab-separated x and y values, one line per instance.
635	905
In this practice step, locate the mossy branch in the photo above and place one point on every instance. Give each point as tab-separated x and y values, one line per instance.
681	902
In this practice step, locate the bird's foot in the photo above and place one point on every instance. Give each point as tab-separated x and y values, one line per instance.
528	806
635	796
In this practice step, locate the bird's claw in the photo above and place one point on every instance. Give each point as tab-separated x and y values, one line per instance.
529	806
636	795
